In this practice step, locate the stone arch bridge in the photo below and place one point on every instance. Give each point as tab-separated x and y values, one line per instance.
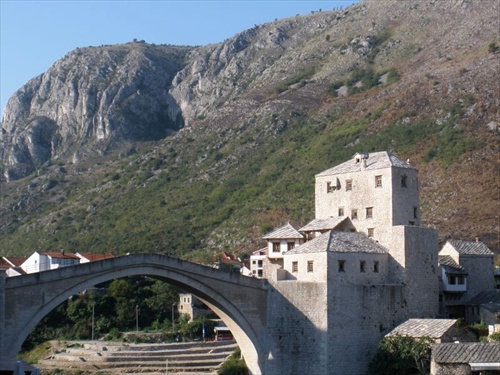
245	304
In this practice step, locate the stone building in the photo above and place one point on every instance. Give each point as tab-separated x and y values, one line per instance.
367	265
466	270
192	307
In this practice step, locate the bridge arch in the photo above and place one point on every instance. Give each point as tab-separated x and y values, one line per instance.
239	301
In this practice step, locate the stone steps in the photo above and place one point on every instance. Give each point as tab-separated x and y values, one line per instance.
183	358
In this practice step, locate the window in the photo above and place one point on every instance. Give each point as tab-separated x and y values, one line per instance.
369	212
415	212
371	232
276	247
290	245
348	185
404	181
310	266
341	211
375	266
341	265
330	188
259	273
260	263
362	266
254	261
354	213
295	266
378	181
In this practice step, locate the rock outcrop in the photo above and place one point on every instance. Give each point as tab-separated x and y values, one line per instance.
90	102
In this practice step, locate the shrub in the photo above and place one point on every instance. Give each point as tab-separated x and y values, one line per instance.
495	337
402	355
493	48
333	87
234	365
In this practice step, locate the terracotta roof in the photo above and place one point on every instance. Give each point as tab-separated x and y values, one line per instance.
94	257
55	254
375	160
258	252
340	242
470	247
450	266
284	232
467	352
434	328
16	261
323	224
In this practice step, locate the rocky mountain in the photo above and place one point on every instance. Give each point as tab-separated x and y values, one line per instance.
90	101
190	150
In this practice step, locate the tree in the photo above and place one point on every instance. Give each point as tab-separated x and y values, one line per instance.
402	355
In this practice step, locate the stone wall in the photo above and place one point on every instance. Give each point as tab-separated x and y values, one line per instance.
297	327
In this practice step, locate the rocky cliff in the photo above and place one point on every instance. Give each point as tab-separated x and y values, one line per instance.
90	102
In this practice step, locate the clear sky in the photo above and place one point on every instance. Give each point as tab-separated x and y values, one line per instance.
35	34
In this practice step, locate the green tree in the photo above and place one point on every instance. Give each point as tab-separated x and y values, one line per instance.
402	355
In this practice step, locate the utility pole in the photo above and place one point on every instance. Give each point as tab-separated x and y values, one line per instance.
173	319
137	318
93	320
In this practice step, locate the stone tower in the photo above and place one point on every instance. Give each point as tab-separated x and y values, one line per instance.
367	266
376	191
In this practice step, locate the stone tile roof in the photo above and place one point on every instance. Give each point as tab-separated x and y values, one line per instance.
284	232
467	352
434	328
470	247
450	266
375	160
340	242
322	224
485	298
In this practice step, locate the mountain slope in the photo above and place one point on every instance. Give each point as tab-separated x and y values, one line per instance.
265	111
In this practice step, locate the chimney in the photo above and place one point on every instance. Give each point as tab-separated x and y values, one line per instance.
478	239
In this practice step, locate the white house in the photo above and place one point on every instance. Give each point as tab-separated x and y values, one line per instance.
39	262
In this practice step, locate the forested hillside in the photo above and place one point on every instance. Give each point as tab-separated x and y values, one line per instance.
228	140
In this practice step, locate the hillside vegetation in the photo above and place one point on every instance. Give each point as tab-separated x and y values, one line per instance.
264	112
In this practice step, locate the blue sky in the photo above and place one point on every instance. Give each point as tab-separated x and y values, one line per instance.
35	34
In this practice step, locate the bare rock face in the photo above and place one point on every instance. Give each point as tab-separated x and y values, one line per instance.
91	101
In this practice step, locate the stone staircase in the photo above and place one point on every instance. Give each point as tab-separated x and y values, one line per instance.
179	358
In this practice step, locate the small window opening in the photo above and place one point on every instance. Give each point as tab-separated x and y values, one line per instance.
404	180
378	181
348	185
341	265
375	266
354	213
362	265
341	211
369	212
295	266
310	266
